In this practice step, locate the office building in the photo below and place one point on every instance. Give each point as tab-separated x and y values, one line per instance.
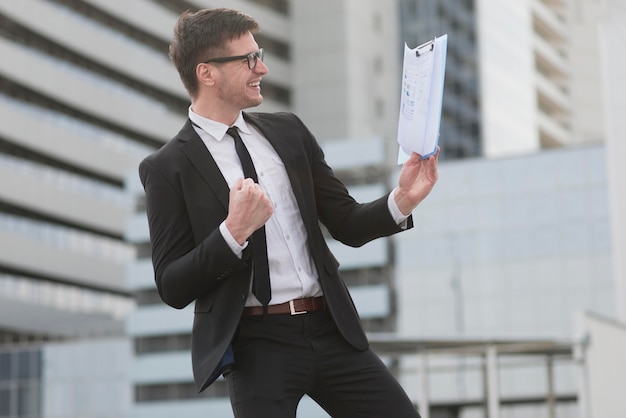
521	76
509	248
519	245
75	119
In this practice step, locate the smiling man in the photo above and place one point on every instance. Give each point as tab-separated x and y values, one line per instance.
234	203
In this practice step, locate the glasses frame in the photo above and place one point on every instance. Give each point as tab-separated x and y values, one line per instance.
252	58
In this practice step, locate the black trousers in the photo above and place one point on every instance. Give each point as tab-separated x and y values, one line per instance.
280	358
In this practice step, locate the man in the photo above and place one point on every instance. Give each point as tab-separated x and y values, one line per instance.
209	227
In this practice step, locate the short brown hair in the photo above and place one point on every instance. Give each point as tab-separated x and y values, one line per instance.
201	35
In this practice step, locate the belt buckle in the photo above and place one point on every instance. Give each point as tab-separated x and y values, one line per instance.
292	309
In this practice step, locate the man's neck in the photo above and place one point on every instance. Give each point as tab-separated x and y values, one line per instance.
227	117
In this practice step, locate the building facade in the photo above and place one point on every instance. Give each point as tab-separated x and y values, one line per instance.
521	76
509	248
421	21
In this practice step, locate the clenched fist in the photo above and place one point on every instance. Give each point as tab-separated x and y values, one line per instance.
248	209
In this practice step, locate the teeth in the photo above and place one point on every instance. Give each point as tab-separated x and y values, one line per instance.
257	84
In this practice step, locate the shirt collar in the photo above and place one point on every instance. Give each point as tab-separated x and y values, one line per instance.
217	129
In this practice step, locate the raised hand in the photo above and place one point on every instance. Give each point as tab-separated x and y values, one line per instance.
248	209
417	179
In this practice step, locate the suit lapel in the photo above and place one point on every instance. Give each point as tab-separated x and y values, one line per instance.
273	135
202	160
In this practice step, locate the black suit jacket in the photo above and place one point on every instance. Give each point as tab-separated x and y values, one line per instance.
187	199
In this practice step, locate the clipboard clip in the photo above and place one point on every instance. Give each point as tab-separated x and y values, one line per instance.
424	45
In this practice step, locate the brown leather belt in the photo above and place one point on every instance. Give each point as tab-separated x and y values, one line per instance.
293	307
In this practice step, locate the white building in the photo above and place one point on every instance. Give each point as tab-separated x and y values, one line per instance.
539	72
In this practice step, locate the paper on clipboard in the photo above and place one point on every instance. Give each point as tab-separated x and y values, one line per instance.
421	98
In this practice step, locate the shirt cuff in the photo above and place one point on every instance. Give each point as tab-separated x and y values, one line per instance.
232	242
397	216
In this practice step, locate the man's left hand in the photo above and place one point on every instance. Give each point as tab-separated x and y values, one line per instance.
417	179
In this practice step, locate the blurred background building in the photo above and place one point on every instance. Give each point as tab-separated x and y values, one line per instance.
485	292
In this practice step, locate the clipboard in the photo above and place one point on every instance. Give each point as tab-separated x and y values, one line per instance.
421	98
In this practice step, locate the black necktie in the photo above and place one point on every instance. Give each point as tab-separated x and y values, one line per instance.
261	276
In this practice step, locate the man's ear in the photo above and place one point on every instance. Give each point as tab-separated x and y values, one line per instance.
205	74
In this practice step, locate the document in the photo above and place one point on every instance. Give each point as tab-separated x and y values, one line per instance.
421	98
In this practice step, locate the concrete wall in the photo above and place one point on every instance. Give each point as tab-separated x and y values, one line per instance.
509	247
605	369
613	39
508	102
87	379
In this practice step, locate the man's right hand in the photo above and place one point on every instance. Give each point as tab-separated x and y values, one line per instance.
248	209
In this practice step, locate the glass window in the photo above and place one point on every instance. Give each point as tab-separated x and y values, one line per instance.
5	367
28	400
5	402
23	364
160	344
148	297
20	390
280	6
178	391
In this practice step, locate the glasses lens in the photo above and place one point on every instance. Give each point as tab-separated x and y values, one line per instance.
253	57
252	61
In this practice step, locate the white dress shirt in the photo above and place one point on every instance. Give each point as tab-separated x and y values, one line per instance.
292	272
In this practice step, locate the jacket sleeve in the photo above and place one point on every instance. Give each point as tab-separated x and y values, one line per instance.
186	266
348	221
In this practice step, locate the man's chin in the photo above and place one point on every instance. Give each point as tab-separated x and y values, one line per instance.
255	102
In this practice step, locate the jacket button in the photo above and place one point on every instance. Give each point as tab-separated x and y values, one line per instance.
243	296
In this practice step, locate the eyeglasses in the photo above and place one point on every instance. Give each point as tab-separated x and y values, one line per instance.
252	58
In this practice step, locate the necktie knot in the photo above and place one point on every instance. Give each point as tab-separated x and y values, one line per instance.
233	131
243	154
